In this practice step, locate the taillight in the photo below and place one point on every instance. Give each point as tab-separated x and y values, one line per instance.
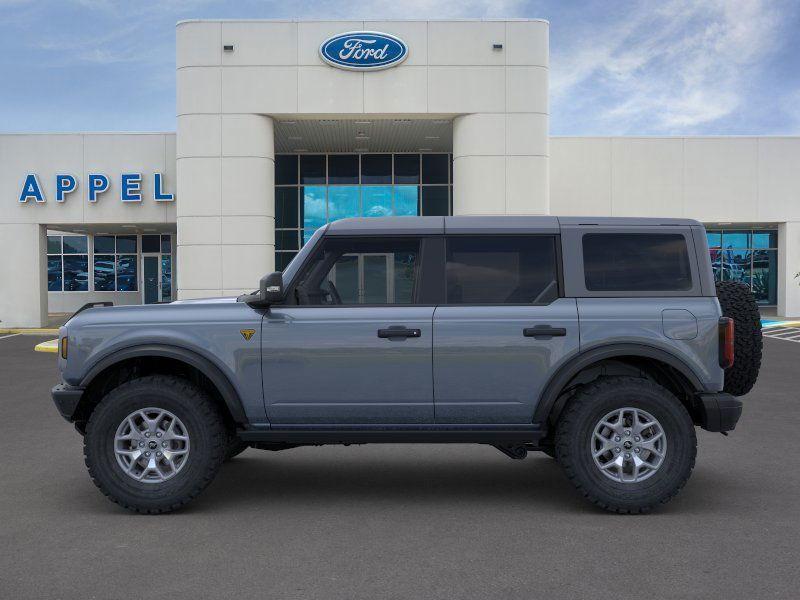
726	334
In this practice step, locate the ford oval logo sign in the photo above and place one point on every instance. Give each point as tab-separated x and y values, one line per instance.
363	50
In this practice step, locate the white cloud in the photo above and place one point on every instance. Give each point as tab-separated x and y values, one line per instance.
672	69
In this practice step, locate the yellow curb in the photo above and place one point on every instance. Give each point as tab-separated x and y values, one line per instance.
49	346
30	331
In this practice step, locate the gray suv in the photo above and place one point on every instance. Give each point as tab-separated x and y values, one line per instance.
601	342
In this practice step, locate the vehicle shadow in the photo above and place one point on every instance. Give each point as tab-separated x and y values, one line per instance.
537	483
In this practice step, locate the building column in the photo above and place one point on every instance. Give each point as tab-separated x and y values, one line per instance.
788	265
226	221
501	164
23	302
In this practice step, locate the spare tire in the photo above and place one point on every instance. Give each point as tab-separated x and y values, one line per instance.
738	303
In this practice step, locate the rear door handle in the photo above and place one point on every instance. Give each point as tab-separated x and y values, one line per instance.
399	332
544	331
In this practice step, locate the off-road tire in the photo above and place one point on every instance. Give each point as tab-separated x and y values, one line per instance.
207	434
738	303
235	448
576	426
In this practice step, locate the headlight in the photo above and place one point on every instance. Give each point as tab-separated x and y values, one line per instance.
64	347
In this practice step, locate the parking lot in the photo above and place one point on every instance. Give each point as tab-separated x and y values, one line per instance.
391	521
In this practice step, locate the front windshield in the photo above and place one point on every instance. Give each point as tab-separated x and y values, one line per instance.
291	269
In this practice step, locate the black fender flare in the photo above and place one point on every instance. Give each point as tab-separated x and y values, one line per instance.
579	362
223	384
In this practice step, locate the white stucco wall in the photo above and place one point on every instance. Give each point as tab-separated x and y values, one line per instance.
745	180
227	100
23	277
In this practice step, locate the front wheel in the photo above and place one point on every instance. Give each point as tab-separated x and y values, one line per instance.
154	443
627	444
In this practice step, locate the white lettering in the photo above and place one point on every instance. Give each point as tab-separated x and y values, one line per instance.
354	48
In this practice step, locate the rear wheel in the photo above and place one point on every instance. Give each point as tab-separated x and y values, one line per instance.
626	443
738	303
154	443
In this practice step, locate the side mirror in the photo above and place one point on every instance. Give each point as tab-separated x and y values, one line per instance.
271	288
270	291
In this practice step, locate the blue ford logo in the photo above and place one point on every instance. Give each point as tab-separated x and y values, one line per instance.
363	50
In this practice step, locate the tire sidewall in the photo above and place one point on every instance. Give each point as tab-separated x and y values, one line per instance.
101	430
678	430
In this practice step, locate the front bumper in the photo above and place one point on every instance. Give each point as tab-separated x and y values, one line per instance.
66	399
719	412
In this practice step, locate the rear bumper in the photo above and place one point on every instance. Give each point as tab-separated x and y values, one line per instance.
719	412
66	399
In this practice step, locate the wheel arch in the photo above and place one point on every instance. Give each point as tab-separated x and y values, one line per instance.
551	401
96	379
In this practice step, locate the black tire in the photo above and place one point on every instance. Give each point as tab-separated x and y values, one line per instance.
235	448
207	435
738	303
574	434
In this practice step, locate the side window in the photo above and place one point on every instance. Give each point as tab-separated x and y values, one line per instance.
361	271
501	270
636	262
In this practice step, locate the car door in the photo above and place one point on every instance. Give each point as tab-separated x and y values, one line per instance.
356	348
503	329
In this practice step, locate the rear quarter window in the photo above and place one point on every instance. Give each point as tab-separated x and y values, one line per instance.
636	262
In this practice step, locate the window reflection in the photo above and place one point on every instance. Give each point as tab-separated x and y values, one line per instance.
327	189
314	206
343	202
376	201
747	256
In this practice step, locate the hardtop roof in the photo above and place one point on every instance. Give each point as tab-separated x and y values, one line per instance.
488	224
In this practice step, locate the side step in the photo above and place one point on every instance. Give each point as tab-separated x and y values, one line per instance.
501	435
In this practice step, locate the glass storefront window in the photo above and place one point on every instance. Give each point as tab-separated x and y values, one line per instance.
376	168
104	244
748	256
67	263
376	201
75	244
126	244
765	239
286	169
54	244
434	168
342	168
314	189
406	168
166	277
126	274
736	239
314	209
312	169
76	273
406	203
343	201
54	274
434	201
104	272
286	209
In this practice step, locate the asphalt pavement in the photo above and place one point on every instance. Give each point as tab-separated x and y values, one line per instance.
399	522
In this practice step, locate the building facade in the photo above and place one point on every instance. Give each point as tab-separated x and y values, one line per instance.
285	125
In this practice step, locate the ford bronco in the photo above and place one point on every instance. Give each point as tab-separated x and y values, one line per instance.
602	342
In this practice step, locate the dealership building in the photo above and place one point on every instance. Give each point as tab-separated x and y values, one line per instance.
283	126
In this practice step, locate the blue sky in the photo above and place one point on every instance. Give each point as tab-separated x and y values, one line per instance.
617	68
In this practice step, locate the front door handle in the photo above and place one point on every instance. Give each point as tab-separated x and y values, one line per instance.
544	331
399	332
